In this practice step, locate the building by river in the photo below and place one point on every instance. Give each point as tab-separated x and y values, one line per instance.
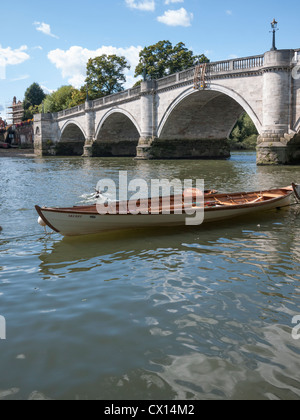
18	133
16	111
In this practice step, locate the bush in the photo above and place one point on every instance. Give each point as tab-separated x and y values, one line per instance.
250	143
244	134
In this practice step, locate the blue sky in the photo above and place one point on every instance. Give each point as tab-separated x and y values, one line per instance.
50	42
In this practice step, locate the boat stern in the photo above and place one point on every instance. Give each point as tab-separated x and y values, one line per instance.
296	189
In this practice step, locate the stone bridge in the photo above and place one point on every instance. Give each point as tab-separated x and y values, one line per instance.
187	115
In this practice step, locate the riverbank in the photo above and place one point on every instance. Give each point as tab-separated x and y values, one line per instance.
23	153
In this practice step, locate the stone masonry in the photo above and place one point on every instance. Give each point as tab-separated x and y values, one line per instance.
171	118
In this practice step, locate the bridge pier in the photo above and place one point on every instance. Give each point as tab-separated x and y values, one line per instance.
44	135
90	131
148	119
87	150
277	143
185	149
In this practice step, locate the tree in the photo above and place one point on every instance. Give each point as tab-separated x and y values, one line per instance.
34	96
78	96
58	100
63	98
105	75
244	135
161	59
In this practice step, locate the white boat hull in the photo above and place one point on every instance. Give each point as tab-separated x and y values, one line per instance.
76	222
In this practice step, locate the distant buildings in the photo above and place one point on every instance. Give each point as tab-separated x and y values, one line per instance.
2	124
17	133
17	111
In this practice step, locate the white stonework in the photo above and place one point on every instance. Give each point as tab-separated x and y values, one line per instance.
170	118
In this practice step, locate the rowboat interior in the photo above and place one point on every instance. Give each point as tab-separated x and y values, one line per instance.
163	211
210	200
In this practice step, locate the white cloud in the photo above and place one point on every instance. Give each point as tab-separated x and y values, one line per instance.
46	90
145	5
11	57
44	28
17	79
72	62
173	1
8	56
176	18
229	12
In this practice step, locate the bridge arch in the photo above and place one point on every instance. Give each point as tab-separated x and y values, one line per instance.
117	134
210	96
72	139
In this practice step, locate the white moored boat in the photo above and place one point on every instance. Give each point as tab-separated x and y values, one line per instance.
85	220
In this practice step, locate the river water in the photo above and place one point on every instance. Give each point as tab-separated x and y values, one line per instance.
190	313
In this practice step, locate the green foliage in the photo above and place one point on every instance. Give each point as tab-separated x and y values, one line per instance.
78	96
162	59
34	96
63	98
244	135
105	75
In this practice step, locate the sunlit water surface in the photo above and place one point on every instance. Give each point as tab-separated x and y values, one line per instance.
189	313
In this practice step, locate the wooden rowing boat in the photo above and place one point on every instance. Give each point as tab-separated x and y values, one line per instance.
85	220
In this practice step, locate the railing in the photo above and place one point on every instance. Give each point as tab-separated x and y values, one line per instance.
219	67
215	68
126	94
169	80
70	111
248	63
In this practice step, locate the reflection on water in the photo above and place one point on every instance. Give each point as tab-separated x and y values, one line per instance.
189	313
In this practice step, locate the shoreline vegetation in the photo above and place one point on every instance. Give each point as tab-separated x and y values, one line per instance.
244	134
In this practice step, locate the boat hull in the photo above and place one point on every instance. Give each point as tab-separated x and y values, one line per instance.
80	221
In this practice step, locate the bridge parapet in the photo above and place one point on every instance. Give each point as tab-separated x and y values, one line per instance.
214	68
128	94
70	111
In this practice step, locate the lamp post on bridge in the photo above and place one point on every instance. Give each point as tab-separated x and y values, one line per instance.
274	30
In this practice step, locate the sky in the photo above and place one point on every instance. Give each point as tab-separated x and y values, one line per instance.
50	42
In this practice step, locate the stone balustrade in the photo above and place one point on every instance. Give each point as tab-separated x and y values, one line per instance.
214	68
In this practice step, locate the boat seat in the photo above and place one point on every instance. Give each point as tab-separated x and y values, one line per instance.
270	195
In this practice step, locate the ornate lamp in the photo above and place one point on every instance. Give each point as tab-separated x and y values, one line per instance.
274	30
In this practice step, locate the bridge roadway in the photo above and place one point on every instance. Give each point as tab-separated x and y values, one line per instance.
182	116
